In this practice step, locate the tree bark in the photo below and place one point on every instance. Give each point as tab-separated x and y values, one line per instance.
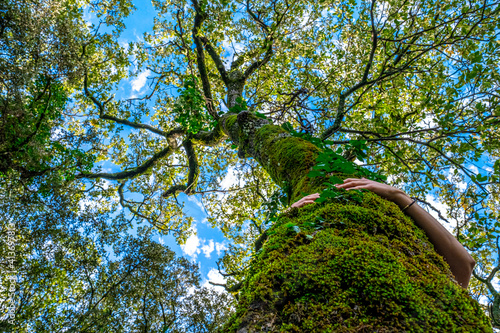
343	265
287	159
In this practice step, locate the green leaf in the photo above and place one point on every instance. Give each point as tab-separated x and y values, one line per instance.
315	173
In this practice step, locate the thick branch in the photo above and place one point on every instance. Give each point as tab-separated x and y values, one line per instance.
200	59
194	171
242	57
132	172
259	63
256	18
364	81
232	289
216	59
374	45
214	136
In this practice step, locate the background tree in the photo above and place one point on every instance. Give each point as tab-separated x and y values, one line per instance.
68	278
63	232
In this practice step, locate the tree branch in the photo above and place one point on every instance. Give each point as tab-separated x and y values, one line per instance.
199	17
374	45
232	289
257	19
194	171
132	172
216	59
390	72
494	307
259	63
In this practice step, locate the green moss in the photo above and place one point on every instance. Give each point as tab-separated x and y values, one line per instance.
287	159
230	128
231	120
369	269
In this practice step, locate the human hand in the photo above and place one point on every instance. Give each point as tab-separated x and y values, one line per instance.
386	191
305	200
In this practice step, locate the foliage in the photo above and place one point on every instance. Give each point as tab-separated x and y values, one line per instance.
331	162
64	229
189	108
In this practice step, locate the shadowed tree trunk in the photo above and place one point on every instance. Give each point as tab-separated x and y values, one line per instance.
350	267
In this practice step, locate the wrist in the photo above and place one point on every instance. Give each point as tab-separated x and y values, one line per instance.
402	199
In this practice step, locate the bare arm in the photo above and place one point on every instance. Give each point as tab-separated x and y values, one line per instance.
460	261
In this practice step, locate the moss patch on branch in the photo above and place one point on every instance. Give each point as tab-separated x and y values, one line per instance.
367	268
287	159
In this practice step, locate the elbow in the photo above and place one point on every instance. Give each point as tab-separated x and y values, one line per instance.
462	270
465	279
472	264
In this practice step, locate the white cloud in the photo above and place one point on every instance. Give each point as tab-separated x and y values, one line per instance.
208	249
194	199
192	245
140	81
230	179
195	245
214	276
219	247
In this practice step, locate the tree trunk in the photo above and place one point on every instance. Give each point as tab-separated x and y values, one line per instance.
341	266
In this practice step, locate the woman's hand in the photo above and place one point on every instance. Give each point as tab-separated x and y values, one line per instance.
388	192
305	200
385	191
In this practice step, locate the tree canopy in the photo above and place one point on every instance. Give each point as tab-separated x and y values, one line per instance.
406	89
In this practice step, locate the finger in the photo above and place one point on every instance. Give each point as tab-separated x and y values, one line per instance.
347	180
303	203
310	197
361	187
354	182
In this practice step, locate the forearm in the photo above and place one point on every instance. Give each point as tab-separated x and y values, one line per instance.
460	261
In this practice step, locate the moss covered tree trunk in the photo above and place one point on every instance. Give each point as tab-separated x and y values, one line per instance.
353	267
